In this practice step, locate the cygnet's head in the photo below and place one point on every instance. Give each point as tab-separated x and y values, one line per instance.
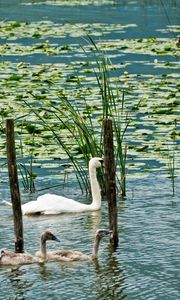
102	232
49	236
2	253
96	162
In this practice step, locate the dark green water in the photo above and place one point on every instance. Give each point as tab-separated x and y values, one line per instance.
146	263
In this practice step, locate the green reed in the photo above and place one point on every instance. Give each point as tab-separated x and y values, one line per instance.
78	132
26	170
113	106
79	142
171	160
28	178
171	168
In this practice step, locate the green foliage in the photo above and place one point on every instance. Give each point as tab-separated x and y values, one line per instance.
171	160
28	177
114	107
76	129
62	105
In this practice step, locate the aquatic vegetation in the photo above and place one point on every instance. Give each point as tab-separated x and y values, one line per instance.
171	158
13	30
72	3
171	167
27	177
37	71
62	95
113	106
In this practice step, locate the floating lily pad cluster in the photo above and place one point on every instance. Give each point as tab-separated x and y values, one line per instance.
71	3
14	30
38	68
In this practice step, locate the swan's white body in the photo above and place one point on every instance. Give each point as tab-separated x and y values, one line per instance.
55	204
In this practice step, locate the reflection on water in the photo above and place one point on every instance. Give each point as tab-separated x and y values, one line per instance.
19	285
110	281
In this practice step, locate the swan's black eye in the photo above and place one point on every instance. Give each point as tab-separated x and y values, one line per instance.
101	161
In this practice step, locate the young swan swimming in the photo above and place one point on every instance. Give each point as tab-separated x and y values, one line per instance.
69	255
51	204
13	259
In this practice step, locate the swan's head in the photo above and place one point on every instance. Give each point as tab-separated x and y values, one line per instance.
96	162
49	236
102	232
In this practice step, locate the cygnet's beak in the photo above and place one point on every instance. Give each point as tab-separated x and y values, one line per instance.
2	254
107	232
54	238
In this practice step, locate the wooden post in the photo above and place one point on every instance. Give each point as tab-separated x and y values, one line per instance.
110	180
14	186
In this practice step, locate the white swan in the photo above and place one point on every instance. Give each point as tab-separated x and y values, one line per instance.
11	258
69	255
51	204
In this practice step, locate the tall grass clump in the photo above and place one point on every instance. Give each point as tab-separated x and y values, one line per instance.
28	178
113	106
74	133
78	129
171	168
171	161
26	169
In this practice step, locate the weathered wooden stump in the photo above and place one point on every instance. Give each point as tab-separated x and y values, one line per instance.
14	186
110	179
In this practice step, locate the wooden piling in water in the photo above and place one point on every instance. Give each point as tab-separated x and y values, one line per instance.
110	172
14	186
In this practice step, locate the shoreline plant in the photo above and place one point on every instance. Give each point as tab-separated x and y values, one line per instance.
76	122
171	161
114	107
78	131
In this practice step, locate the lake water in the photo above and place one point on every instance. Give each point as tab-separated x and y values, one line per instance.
146	264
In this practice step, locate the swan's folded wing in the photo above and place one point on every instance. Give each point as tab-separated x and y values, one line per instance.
32	207
12	258
55	204
68	255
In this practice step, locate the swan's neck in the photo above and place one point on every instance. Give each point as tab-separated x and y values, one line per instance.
43	248
95	189
96	247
